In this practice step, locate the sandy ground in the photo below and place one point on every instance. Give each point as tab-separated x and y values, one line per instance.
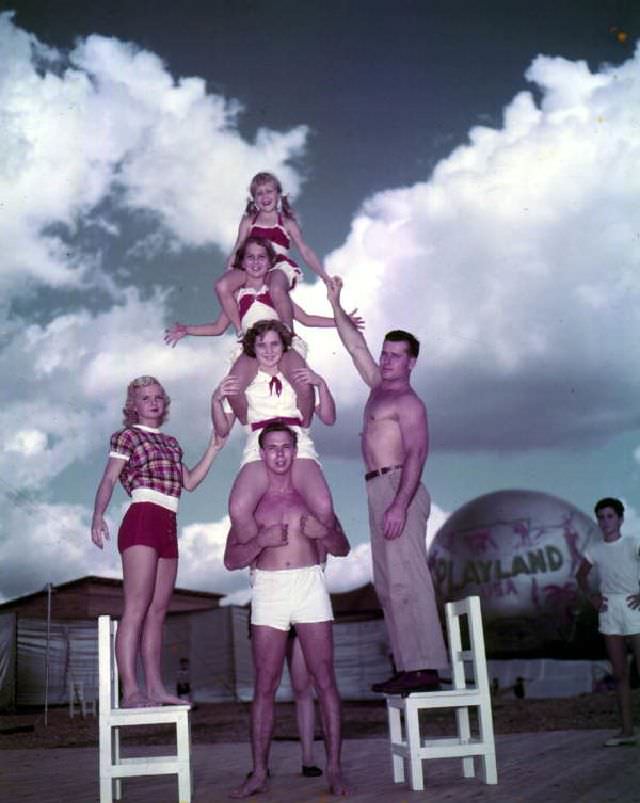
229	722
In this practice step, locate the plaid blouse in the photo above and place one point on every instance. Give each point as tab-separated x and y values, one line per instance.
154	460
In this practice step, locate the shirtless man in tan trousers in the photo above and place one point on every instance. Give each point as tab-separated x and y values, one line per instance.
394	447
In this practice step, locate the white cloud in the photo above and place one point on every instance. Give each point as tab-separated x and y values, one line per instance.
108	121
201	551
48	543
69	380
27	441
517	266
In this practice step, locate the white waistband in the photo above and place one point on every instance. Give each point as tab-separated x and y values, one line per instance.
300	569
158	498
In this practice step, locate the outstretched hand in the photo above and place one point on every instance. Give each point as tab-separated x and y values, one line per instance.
177	332
99	530
357	320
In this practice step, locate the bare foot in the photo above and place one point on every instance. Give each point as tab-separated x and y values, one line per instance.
337	785
162	697
134	700
253	785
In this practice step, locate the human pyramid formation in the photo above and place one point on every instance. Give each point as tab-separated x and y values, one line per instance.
283	522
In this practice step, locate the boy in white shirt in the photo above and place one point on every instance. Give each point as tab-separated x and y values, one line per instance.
617	558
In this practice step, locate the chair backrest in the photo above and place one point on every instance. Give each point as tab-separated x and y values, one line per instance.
471	652
108	694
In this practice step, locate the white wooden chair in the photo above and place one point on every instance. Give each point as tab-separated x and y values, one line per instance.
465	694
111	718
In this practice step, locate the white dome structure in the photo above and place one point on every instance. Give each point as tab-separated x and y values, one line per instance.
519	551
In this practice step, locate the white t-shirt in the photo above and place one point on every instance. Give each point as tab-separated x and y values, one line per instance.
618	563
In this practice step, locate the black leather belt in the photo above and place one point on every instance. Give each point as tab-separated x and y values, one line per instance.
378	472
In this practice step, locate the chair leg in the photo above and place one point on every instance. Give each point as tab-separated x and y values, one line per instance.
105	747
115	742
489	770
412	727
183	749
106	790
464	735
395	737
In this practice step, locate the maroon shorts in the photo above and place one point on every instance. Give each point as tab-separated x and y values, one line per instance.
147	524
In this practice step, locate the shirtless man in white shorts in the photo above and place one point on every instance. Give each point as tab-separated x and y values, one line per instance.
289	588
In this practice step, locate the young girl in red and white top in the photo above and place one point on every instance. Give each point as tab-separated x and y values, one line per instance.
256	258
269	215
149	465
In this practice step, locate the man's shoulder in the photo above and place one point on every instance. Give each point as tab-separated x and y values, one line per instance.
408	399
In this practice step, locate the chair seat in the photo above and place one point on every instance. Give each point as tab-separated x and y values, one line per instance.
155	715
438	699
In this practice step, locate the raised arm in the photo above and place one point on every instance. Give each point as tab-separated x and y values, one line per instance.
412	420
326	407
192	477
308	254
351	338
221	418
238	555
243	233
99	528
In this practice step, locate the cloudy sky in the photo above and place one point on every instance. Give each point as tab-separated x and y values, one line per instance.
470	171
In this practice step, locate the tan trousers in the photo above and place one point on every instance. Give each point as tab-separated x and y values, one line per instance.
403	581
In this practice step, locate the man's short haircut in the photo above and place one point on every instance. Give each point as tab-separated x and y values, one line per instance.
400	336
261	328
612	502
277	426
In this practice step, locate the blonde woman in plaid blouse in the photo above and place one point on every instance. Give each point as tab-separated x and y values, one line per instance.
149	465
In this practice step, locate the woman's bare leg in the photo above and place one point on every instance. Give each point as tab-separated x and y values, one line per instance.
244	369
139	566
309	481
249	486
279	289
152	633
225	287
305	394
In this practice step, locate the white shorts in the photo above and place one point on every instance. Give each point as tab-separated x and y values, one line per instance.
619	619
289	597
306	449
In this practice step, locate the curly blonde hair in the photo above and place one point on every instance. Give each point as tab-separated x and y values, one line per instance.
130	416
